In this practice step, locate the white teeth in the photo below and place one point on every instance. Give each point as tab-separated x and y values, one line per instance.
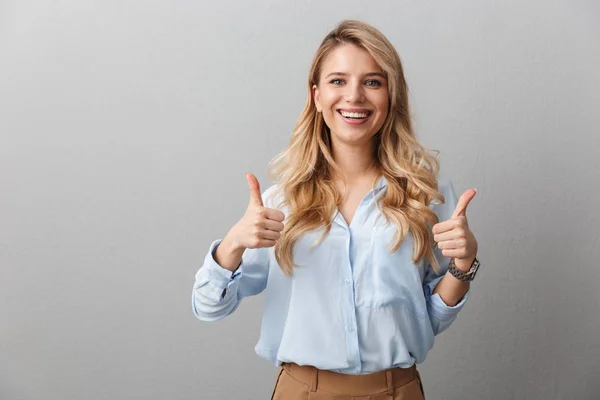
354	115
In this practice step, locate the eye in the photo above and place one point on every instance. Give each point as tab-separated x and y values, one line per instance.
373	82
336	81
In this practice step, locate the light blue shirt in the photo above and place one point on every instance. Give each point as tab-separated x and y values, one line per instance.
351	306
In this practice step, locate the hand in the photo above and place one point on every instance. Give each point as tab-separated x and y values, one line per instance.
454	237
260	226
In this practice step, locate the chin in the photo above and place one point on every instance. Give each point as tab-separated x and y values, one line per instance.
347	136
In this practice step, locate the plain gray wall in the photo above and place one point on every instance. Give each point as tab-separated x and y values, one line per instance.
127	126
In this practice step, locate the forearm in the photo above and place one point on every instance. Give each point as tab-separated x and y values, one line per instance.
215	289
451	289
228	255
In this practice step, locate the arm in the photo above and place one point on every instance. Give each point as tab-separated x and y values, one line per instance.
443	310
238	265
451	289
218	291
445	294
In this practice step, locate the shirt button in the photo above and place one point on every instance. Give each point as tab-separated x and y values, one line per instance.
351	328
347	281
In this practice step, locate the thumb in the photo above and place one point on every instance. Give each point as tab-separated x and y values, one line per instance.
254	186
463	202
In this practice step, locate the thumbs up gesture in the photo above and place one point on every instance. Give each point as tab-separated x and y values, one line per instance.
454	237
260	226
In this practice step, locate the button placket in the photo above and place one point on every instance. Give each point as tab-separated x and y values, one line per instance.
351	336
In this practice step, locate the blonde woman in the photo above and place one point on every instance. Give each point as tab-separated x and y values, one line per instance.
352	245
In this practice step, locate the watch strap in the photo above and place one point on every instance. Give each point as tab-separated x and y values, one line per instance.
464	276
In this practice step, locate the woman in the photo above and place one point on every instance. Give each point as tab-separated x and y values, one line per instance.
343	244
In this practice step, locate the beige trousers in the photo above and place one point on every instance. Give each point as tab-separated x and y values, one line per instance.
296	382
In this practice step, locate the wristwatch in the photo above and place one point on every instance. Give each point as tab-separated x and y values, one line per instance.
464	276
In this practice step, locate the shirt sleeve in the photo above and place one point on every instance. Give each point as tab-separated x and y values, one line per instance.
217	291
441	315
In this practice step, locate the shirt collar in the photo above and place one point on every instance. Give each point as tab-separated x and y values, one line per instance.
381	183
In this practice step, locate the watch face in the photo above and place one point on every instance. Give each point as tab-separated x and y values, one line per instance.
475	267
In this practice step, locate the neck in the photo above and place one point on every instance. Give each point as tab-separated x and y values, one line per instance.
356	162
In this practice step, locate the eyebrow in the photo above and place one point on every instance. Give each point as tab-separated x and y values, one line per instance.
367	74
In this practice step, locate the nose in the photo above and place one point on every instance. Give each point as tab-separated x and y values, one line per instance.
355	93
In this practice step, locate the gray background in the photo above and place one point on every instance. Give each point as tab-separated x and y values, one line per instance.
126	128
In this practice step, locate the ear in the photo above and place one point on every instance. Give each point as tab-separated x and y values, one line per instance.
316	97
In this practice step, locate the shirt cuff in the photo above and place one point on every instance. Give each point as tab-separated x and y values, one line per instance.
219	276
442	311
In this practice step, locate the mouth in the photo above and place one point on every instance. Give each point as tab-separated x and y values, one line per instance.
354	116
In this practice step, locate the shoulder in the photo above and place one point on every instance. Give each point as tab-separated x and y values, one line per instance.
446	188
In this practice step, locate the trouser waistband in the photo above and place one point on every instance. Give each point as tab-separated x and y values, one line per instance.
355	385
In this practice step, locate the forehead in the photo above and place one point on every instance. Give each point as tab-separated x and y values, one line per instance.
351	59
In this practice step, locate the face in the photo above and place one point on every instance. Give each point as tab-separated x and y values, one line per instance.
352	94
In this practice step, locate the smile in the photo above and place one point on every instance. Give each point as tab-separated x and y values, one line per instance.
356	114
355	117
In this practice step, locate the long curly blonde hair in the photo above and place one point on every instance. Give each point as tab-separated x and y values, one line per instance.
305	169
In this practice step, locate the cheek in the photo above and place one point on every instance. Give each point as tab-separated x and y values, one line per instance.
328	99
383	102
383	106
